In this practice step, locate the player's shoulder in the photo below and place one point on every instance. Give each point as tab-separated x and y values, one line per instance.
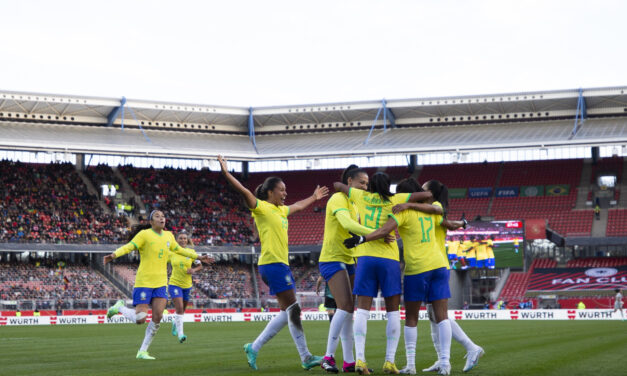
338	198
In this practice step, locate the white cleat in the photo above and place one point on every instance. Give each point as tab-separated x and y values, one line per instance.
408	370
472	358
445	369
434	368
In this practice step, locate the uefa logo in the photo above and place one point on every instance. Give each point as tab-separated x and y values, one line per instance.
601	272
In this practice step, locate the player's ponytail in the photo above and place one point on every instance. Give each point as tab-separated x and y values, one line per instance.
261	192
136	229
380	183
440	193
351	172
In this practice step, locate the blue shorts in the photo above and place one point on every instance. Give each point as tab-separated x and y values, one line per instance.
377	272
328	269
277	276
179	292
144	295
491	263
428	286
472	262
482	263
452	256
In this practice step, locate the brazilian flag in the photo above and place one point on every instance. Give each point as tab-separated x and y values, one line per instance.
557	190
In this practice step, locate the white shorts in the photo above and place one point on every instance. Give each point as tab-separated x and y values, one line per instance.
618	305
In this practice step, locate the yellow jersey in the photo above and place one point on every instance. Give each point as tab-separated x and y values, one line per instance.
180	264
440	232
153	256
515	241
421	252
453	247
271	222
472	253
490	244
375	212
333	248
466	245
482	250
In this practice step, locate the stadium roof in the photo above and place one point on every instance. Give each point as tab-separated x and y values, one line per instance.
50	122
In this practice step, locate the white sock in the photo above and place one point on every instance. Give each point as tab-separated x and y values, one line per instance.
151	330
360	328
295	325
444	329
460	336
393	334
348	340
272	328
337	324
435	337
129	313
178	321
411	336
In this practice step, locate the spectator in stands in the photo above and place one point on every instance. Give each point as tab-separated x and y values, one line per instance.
597	212
581	305
466	305
270	213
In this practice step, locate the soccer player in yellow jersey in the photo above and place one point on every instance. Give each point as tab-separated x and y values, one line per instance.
471	252
516	244
378	266
482	253
153	243
491	263
180	284
337	267
451	250
426	275
270	213
474	352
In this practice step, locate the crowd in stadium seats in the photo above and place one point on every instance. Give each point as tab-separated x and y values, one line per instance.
50	204
197	201
53	280
103	175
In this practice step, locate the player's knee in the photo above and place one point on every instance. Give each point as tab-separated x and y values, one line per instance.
140	318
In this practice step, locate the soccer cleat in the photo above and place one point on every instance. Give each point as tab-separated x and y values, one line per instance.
174	332
445	369
434	368
182	338
350	368
408	370
328	364
113	310
361	367
251	355
311	362
390	368
144	355
472	358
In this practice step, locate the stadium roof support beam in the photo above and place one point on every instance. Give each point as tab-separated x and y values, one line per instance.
115	112
387	113
251	128
580	115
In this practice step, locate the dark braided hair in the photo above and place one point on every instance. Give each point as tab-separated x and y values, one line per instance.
261	192
380	183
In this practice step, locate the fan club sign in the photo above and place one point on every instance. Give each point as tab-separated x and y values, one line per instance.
578	279
504	314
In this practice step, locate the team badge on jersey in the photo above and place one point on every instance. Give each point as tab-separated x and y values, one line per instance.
176	291
168	244
143	295
288	280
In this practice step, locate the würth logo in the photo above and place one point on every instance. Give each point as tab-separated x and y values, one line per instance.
53	320
247	316
458	315
513	315
3	320
571	314
197	317
101	319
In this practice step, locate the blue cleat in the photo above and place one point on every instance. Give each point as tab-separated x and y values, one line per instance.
311	362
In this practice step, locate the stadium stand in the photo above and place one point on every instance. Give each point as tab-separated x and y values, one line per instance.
597	262
198	201
225	281
50	204
617	222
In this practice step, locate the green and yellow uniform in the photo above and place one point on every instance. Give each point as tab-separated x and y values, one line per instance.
421	252
153	256
271	222
180	265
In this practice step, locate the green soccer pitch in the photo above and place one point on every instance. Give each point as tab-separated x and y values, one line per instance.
506	257
512	348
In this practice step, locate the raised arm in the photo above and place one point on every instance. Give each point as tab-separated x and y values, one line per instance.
123	250
319	193
249	197
454	225
425	208
341	187
350	224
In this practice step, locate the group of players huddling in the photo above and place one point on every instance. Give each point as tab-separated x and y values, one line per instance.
359	258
